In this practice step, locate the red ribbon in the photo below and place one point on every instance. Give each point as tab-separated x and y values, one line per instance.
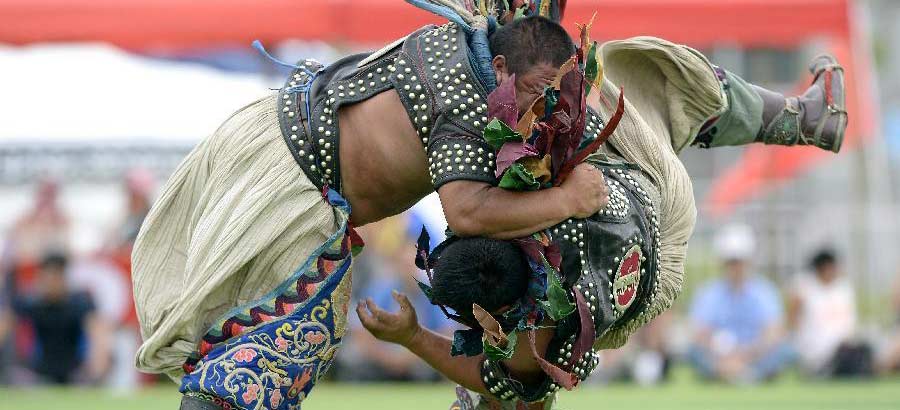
604	135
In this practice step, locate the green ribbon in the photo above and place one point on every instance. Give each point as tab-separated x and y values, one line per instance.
557	304
517	178
498	133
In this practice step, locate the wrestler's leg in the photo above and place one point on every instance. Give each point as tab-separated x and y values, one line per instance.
686	99
754	114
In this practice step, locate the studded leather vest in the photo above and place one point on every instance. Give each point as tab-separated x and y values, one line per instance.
611	258
432	73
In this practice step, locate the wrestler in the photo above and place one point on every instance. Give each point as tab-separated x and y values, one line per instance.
620	267
241	269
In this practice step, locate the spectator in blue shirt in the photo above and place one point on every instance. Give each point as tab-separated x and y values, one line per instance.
738	319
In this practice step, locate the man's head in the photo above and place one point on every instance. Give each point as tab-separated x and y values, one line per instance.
824	265
492	273
735	246
53	276
532	48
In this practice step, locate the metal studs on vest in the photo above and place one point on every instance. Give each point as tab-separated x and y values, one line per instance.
593	125
453	157
653	222
445	103
495	380
453	87
618	205
294	120
570	230
322	150
435	80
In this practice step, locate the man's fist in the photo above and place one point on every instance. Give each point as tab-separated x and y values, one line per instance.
397	327
586	190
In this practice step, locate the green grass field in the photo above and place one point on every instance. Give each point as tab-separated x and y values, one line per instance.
683	393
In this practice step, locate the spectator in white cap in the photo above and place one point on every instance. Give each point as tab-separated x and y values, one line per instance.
739	335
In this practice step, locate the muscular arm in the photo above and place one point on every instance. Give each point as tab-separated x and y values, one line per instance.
479	209
434	349
403	328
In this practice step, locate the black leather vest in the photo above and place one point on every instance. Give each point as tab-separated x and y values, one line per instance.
431	72
612	259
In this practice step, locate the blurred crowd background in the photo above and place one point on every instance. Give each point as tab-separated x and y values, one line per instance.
793	267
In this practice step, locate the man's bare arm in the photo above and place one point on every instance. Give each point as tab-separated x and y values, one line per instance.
479	209
403	328
434	349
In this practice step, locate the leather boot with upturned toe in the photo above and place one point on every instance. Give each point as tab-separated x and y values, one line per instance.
817	117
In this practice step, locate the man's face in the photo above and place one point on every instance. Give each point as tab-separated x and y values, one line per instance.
735	271
529	85
827	272
53	282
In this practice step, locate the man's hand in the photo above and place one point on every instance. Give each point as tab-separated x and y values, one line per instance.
586	190
397	327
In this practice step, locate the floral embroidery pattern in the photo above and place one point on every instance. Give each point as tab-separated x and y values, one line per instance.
275	400
281	344
273	360
245	355
251	393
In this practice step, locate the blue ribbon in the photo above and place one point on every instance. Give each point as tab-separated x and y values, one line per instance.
477	41
304	88
262	50
444	12
481	51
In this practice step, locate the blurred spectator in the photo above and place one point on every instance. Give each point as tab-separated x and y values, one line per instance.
822	314
889	362
110	291
5	320
6	323
113	272
646	359
42	228
70	343
739	335
139	186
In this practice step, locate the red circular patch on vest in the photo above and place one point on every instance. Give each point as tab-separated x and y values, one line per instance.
628	277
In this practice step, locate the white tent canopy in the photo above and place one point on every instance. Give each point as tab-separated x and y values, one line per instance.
96	93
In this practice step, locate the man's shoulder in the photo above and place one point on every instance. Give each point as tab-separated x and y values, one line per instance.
431	32
435	77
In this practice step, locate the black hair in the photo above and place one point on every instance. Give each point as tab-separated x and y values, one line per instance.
489	272
54	259
528	41
822	259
